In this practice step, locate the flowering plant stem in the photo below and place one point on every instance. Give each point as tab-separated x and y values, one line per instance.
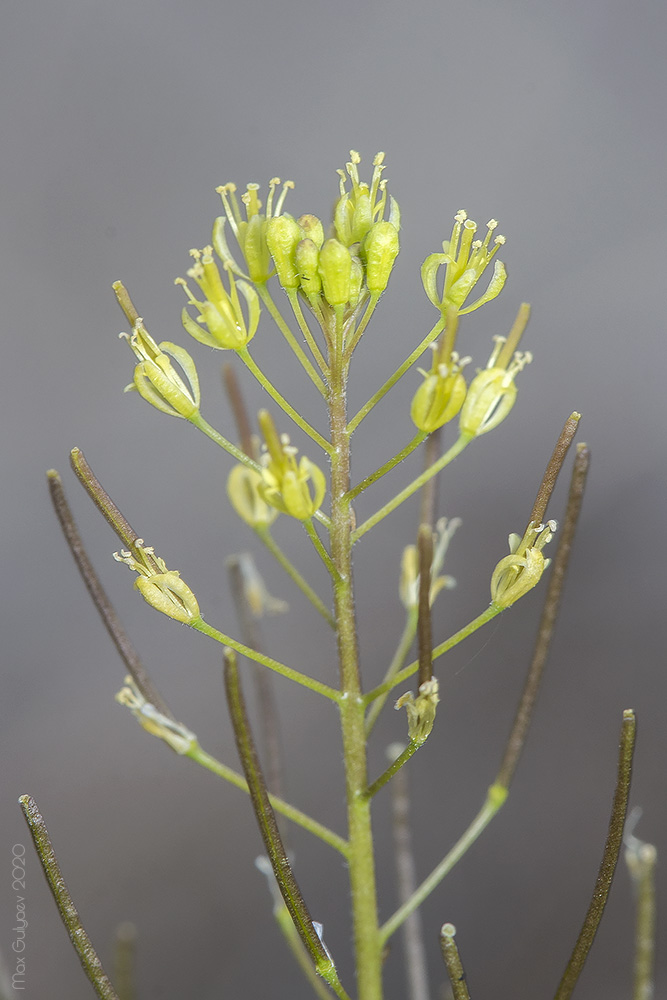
416	484
266	384
263	533
280	668
278	319
443	647
361	859
200	756
398	374
388	465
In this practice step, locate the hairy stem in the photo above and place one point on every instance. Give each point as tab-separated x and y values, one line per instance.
361	861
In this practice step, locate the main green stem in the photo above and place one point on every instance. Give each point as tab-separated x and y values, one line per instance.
361	860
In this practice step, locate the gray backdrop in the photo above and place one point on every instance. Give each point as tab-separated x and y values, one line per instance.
118	121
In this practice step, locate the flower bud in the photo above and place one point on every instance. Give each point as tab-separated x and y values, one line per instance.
356	281
312	229
306	258
256	249
282	236
521	570
156	379
335	270
221	311
380	249
421	710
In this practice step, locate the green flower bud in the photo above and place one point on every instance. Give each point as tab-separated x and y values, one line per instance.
221	311
380	250
356	281
312	229
282	236
160	587
244	492
521	570
156	379
335	270
307	259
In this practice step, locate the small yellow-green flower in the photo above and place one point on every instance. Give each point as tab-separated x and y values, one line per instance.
250	232
160	587
292	488
521	570
492	392
440	396
244	489
464	260
175	734
220	311
156	379
409	578
421	710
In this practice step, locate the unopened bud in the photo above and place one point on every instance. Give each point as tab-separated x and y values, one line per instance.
380	249
282	236
335	269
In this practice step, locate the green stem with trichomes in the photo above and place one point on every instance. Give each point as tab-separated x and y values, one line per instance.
361	862
280	668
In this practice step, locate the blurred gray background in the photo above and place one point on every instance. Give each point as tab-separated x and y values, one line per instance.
118	121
